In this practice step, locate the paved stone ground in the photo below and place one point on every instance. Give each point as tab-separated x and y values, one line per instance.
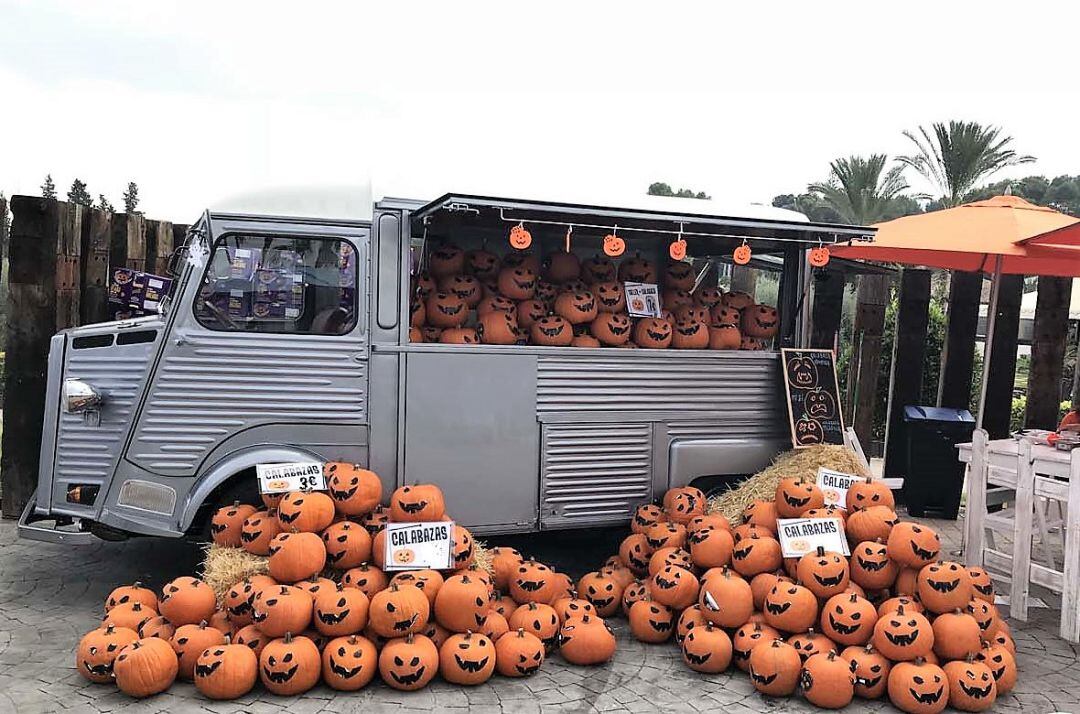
51	594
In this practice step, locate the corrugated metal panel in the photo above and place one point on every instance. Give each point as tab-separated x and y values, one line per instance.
775	426
218	384
744	385
86	452
594	472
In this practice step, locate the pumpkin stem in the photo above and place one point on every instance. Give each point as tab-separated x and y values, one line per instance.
820	550
136	606
521	632
109	628
288	637
137	584
920	661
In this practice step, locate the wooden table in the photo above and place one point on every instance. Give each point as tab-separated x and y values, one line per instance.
1048	460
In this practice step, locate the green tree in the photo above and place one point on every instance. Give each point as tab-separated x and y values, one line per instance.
659	188
861	190
957	156
131	198
103	203
78	194
809	205
48	189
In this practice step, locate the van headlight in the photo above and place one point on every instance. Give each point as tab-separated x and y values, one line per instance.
79	396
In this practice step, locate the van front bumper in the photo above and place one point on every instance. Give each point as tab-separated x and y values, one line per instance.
52	529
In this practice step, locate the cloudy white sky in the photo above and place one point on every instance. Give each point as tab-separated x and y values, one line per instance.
202	100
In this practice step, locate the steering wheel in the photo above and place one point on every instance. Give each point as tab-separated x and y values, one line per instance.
220	315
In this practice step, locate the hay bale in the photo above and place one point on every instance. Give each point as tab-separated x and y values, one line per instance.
800	463
224	567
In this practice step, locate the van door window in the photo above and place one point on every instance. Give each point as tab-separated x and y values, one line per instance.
279	284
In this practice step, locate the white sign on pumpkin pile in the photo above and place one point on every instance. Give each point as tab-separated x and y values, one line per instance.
293	476
799	536
419	545
835	484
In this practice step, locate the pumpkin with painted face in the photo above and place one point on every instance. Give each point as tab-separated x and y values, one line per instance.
711	547
695	312
775	668
756	555
430	333
673	300
586	640
903	635
365	577
726	599
339	612
347	544
241	596
827	681
576	307
446	309
651	621
529	311
914	545
762	513
690	335
522	258
467	659
187	601
1002	665
497	328
760	321
399	610
462	603
646	515
944	587
748	637
135	592
972	687
572	606
871	567
848	619
602	591
679	275
585	340
552	331
634	553
708	297
296	556
459	336
795	496
280	609
674	586
665	534
636	269
611	329
982	586
226	671
409	663
533	582
824	574
738	300
870	524
466	287
145	667
864	494
417	503
495	303
130	615
653	333
539	619
445	260
724	337
98	650
790	608
707	649
481	263
422	285
610	296
518	654
871	670
305	511
597	269
227	522
517	283
355	490
669	555
918	687
349	663
158	626
810	643
190	640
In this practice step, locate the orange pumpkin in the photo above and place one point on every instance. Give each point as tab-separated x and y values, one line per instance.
519	654
795	496
637	269
145	667
1002	665
462	603
445	309
738	300
827	681
602	591
756	555
918	687
790	607
296	556
871	567
280	609
870	524
226	524
707	649
864	494
517	283
611	329
189	641
646	515
956	635
981	584
539	619
290	665
848	619
257	530
187	601
156	627
339	612
724	337
690	618
504	562
674	586
226	672
651	621
467	659
355	491
126	594
552	331
399	610
586	640
944	587
466	287
762	513
576	307
824	574
711	547
653	333
746	639
726	599
98	649
760	321
913	545
444	260
305	511
129	615
497	328
349	663
972	687
775	668
903	635
409	663
417	503
365	577
871	670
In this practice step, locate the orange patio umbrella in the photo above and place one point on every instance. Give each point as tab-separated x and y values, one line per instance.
983	236
1067	237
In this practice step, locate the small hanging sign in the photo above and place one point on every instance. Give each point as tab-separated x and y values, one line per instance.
614	246
742	254
835	485
819	257
677	249
520	237
799	536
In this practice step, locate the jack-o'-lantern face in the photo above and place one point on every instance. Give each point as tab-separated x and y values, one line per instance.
664	535
751	343
824	573
423	285
871	567
446	309
747	638
482	264
672	300
409	663
708	297
614	245
611	328
466	287
517	283
818	257
645	515
459	336
467	659
981	584
653	333
695	313
529	311
903	635
802	372
610	296
971	686
634	552
636	269
496	303
1002	665
560	267
446	260
576	307
546	292
944	587
431	333
519	654
690	335
738	300
793	496
679	276
984	613
498	328
848	619
913	545
760	321
552	331
98	650
522	259
819	404
721	314
349	663
651	621
918	687
597	269
808	431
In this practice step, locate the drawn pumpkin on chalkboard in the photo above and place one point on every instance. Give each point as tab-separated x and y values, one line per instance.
819	404
808	432
802	372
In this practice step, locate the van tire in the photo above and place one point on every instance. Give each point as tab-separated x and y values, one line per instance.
241	486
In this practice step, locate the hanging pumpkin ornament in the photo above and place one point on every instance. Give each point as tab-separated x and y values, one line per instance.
819	257
677	249
520	237
742	254
614	246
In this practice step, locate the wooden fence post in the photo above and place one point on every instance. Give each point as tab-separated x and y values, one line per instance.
3	233
909	347
873	296
95	267
136	242
68	277
1002	375
163	245
1048	352
827	308
32	316
958	352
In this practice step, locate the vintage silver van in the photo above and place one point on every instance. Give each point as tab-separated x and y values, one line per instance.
287	339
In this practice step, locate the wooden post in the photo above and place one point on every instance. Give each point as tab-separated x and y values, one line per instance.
975	518
1070	594
163	247
827	308
958	352
3	234
32	317
743	279
68	273
1020	580
1048	352
136	242
95	267
909	347
999	388
873	295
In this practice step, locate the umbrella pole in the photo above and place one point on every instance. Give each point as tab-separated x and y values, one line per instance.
991	318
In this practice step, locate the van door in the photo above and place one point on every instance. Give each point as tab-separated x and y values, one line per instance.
269	346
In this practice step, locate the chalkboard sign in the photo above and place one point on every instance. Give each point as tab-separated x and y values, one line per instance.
813	397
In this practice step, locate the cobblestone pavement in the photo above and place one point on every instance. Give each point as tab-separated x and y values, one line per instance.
51	594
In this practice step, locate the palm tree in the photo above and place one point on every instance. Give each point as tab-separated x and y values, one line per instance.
957	157
860	189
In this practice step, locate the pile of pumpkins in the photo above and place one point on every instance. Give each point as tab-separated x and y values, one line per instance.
475	297
327	610
890	620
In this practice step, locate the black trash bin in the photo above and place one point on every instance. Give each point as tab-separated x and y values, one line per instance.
934	478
